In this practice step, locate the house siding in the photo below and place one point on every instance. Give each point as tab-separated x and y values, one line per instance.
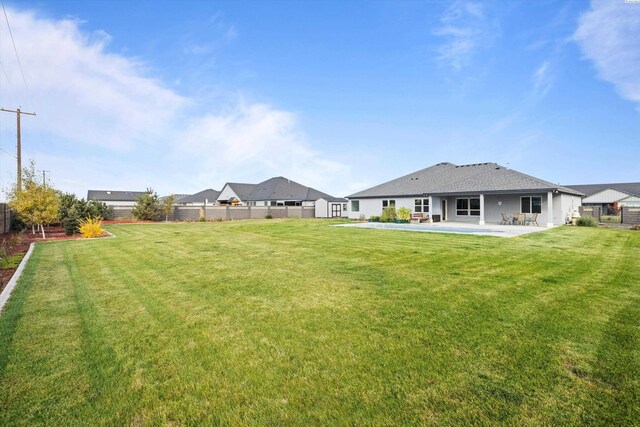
494	205
227	193
606	196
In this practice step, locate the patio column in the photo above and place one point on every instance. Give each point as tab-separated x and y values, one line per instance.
481	209
431	209
549	209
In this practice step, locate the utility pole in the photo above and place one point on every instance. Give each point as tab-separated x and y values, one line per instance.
18	145
44	176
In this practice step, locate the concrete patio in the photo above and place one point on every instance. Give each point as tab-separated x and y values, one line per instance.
495	230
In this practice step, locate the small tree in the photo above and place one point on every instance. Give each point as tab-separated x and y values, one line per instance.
404	214
36	204
614	208
147	206
167	206
388	214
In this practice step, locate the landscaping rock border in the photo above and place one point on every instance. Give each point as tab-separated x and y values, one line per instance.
6	292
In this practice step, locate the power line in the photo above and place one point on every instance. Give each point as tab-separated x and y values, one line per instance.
5	151
15	49
18	112
5	73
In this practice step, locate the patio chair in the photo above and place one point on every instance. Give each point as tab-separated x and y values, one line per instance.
505	219
521	219
533	219
419	217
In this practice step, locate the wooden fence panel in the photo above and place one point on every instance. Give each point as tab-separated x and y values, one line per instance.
5	218
226	213
630	215
594	211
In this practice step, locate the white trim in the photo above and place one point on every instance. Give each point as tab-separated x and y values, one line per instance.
549	209
6	292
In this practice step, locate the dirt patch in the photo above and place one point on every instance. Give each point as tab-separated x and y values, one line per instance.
21	241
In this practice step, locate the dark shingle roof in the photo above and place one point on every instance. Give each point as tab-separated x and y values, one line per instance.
631	188
114	196
175	195
280	188
208	194
447	178
242	190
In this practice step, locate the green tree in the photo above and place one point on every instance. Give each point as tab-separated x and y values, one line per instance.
73	211
167	206
36	204
147	206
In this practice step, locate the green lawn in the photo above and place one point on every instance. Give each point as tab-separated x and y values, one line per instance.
295	322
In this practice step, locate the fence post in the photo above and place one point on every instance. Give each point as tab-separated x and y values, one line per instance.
227	216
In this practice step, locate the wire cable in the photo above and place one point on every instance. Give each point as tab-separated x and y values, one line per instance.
8	153
15	49
5	74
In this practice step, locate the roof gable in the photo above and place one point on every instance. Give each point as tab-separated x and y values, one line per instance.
624	187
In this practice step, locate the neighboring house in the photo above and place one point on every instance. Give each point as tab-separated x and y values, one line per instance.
235	193
280	191
115	198
604	195
208	197
469	193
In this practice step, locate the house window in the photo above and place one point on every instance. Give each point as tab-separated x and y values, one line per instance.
531	204
388	204
468	206
266	203
421	205
355	206
344	206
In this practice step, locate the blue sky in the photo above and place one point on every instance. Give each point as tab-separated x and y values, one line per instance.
182	96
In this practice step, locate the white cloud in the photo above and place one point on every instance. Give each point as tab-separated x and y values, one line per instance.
258	135
103	122
542	80
466	30
81	92
609	36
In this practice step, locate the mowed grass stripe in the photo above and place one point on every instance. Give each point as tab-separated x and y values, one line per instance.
296	322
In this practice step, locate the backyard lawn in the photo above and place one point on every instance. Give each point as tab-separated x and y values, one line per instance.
295	322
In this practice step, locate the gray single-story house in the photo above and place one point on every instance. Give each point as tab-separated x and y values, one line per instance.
604	195
208	197
115	198
478	193
280	191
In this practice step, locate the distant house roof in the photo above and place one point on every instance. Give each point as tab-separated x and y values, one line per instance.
114	196
175	196
242	190
208	194
280	188
449	179
631	188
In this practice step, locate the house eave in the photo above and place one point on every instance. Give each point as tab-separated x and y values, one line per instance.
467	193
